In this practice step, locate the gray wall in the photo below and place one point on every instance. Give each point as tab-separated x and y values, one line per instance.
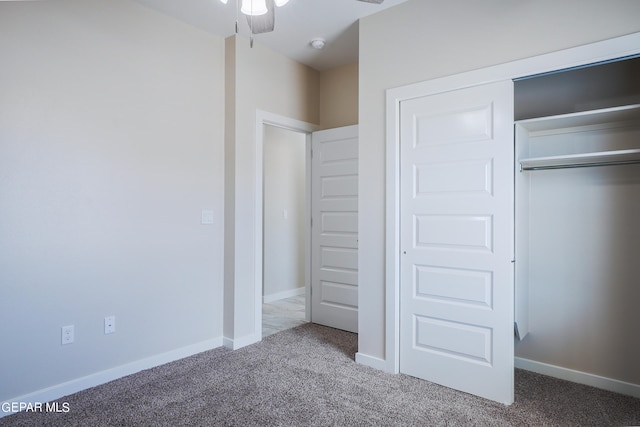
284	212
111	145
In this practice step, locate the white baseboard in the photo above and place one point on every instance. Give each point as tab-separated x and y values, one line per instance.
371	361
64	389
237	343
579	377
282	295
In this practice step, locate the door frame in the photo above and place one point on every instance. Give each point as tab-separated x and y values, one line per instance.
271	119
619	47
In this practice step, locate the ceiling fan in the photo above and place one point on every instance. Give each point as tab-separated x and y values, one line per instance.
260	14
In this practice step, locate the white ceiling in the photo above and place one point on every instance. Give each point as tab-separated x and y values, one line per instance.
296	24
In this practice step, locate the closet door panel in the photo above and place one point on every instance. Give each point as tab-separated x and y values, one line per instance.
456	303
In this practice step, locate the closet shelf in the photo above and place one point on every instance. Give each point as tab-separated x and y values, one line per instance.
626	113
602	158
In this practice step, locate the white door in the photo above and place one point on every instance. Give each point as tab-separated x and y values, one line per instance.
456	292
334	230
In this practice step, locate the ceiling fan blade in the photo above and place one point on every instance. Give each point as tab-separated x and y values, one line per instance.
372	1
263	23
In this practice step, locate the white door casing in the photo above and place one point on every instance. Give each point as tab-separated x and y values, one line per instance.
251	304
456	239
334	231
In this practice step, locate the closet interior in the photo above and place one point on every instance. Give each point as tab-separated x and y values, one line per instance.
577	216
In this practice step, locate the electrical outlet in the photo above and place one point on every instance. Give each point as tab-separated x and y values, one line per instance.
67	334
109	325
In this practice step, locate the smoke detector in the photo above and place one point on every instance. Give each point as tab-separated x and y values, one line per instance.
317	43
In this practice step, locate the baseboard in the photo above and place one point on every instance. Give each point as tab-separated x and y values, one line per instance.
237	343
579	377
58	391
282	295
371	361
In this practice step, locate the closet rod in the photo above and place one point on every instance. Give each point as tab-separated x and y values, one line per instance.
579	165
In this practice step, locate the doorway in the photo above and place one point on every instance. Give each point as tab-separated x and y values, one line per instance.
265	121
331	145
284	229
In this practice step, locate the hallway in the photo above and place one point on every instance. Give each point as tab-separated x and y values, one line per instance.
283	314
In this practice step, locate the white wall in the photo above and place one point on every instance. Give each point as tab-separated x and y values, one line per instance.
111	127
284	210
419	41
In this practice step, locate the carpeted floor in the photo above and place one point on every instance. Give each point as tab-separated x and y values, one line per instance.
307	376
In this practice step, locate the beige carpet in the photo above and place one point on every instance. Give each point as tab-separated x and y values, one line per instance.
307	376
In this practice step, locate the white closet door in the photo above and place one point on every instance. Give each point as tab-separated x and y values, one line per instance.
334	234
457	297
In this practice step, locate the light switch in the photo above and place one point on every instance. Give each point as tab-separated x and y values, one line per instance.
207	217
